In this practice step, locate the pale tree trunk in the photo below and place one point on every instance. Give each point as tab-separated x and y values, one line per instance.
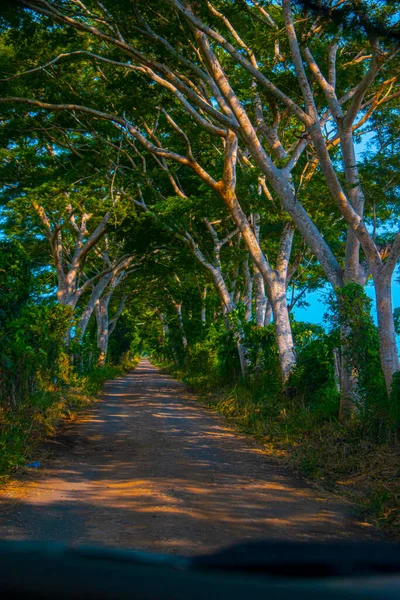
243	356
271	278
267	314
387	336
353	272
260	297
351	203
90	306
275	282
164	323
68	291
381	272
226	189
65	297
101	312
203	306
283	329
248	290
277	297
348	379
105	325
178	310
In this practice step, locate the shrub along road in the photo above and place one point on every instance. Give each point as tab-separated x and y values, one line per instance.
150	468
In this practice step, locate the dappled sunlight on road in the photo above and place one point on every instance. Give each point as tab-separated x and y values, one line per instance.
149	468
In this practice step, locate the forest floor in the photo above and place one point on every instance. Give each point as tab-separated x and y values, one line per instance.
150	468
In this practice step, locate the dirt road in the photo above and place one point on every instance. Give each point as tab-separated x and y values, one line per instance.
149	468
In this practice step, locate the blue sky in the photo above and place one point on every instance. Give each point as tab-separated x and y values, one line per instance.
315	312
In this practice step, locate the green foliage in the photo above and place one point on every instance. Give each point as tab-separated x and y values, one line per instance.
353	329
16	279
23	427
39	387
313	381
394	400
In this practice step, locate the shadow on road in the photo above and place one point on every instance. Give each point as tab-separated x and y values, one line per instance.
152	469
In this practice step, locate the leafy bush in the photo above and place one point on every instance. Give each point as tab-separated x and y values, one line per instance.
32	358
38	384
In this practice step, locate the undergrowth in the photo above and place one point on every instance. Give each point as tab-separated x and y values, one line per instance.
22	428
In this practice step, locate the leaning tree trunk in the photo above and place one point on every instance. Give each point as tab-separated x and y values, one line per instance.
90	306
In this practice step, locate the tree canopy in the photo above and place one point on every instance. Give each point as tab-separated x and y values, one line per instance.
175	177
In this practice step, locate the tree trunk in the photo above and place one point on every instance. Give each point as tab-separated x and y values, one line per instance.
260	297
243	354
267	314
164	324
283	329
87	313
66	297
248	293
348	379
387	336
101	312
203	306
178	309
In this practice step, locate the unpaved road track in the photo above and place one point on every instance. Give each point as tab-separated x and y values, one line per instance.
151	469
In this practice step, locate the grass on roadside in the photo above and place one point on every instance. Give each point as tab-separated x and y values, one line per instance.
23	428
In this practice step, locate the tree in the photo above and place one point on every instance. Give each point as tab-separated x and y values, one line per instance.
218	81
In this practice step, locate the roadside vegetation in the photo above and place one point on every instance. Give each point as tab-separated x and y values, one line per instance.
175	179
45	381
